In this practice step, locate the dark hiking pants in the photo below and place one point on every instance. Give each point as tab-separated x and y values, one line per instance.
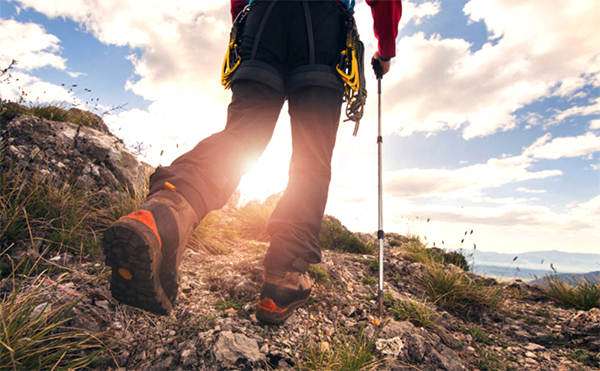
289	50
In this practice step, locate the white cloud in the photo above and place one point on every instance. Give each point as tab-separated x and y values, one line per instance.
29	45
527	190
465	182
440	84
76	74
592	109
595	124
578	146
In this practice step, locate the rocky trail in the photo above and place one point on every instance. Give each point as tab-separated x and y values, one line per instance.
213	326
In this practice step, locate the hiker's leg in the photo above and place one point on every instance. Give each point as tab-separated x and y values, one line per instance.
208	174
296	222
315	98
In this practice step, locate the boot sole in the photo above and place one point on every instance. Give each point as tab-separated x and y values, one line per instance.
279	316
132	251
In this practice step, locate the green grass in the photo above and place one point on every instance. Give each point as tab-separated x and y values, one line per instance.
478	334
585	295
419	314
418	252
252	219
318	274
334	236
452	289
45	212
369	280
61	111
36	331
213	235
345	352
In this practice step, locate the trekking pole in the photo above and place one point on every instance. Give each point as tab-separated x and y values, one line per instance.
379	74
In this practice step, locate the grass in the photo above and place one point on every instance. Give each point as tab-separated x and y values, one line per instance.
585	295
233	303
418	252
318	274
419	314
369	280
54	112
252	219
345	352
452	289
44	212
478	334
36	330
213	235
334	236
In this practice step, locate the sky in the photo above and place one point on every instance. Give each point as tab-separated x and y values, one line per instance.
490	113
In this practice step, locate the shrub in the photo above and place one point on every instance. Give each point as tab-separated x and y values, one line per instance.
585	295
334	236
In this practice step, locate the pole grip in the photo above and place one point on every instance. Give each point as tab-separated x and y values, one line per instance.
377	69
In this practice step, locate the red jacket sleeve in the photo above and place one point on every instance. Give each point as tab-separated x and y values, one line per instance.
386	16
236	7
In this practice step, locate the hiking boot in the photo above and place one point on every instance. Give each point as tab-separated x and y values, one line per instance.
281	294
144	250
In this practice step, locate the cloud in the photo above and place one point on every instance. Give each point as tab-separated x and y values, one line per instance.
578	146
29	45
76	74
466	182
527	190
440	84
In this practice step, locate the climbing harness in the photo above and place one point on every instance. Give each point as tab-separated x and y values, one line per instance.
232	58
351	70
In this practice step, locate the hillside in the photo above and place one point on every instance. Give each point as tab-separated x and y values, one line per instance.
57	310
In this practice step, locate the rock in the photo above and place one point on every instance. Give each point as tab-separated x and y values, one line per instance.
99	160
533	347
236	347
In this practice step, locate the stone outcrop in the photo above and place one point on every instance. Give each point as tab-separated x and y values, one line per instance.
85	157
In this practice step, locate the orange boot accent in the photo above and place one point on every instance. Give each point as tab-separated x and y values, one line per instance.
170	187
268	305
145	217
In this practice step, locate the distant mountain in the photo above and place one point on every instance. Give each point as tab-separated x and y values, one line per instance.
573	279
531	265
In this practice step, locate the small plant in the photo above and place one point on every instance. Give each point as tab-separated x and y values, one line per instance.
478	334
334	236
253	218
206	323
213	235
489	361
369	280
417	313
454	290
233	303
48	208
372	264
345	353
318	274
585	295
35	331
